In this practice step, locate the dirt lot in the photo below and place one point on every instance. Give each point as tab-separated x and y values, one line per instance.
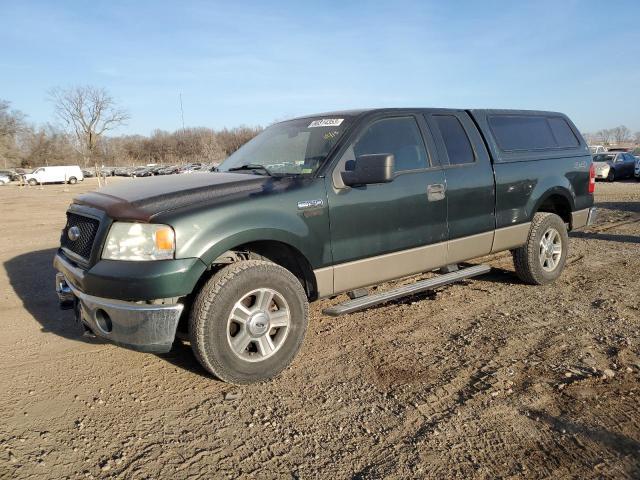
486	379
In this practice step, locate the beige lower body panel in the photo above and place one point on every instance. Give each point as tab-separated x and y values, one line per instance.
510	237
324	281
465	248
374	270
370	271
579	218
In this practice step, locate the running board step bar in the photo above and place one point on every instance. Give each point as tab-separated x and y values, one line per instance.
361	303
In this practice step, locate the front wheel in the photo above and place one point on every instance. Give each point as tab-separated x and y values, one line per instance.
33	182
540	261
248	321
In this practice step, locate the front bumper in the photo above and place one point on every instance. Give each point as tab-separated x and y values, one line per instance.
133	281
139	326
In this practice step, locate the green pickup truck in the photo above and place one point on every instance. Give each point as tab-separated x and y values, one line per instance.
314	207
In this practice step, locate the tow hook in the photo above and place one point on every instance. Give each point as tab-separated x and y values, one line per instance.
65	295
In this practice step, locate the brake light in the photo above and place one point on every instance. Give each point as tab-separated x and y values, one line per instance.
592	178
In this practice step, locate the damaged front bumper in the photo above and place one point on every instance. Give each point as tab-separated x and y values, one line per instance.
148	327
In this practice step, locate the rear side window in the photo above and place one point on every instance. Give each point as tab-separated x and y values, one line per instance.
399	136
455	140
531	132
562	132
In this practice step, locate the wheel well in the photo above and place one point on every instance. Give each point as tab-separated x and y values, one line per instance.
559	205
279	253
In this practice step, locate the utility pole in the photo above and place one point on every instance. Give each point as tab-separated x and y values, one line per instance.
181	111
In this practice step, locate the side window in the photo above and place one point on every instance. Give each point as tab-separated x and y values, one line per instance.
522	132
399	136
562	131
455	140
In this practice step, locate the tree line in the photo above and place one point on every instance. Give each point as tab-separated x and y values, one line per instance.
85	116
612	136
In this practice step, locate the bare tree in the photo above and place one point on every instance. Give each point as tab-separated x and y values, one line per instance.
590	138
88	112
604	135
636	138
621	134
11	123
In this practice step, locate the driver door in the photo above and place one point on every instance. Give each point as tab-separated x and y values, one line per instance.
385	231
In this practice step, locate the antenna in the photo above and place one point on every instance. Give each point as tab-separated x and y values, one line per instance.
181	111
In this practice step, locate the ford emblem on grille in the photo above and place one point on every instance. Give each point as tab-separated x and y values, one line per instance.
73	233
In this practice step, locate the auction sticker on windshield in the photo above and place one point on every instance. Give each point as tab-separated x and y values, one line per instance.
326	122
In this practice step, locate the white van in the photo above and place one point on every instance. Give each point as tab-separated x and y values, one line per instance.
65	174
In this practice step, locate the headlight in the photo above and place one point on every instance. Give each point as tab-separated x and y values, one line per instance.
139	241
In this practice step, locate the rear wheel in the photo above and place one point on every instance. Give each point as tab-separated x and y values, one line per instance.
542	258
72	180
248	321
611	175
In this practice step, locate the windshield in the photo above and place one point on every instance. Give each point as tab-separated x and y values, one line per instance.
296	147
603	158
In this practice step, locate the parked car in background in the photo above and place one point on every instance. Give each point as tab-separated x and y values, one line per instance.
170	170
58	174
612	166
597	149
191	167
88	172
142	172
4	179
12	174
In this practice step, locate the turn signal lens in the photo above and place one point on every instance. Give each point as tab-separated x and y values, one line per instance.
165	239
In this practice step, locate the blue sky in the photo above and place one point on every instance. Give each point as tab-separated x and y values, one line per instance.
253	63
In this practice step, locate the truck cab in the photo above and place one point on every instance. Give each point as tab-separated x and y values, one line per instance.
314	207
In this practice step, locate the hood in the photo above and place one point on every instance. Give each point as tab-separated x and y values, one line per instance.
142	198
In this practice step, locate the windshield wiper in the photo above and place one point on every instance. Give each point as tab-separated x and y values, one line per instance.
251	166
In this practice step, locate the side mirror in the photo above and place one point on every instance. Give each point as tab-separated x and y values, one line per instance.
369	169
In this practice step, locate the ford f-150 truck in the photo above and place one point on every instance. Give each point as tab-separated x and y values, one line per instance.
314	207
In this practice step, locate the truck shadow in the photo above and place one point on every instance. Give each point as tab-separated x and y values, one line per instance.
619	444
31	276
630	206
609	237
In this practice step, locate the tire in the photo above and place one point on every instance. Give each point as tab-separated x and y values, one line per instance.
535	267
213	324
611	176
33	182
72	180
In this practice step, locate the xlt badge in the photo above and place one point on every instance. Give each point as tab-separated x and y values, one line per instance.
308	204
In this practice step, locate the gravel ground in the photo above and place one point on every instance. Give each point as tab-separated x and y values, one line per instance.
489	378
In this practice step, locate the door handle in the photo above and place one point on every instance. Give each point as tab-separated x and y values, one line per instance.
435	192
